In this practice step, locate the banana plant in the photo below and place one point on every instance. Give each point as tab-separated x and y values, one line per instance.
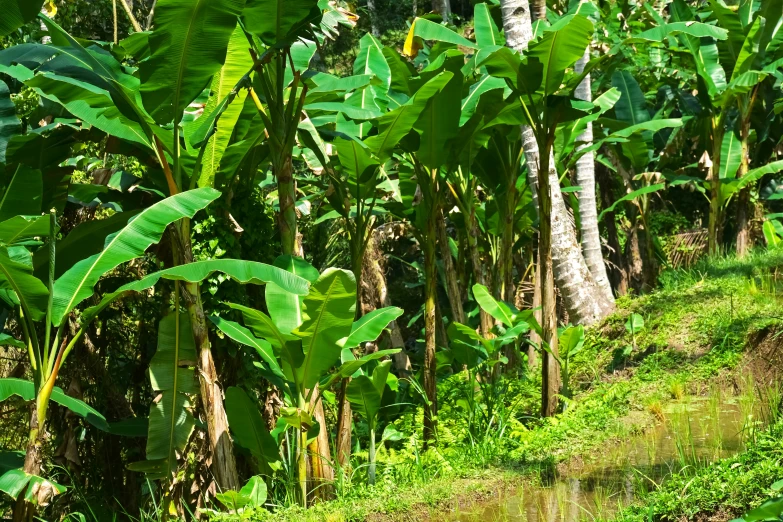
301	340
480	355
730	70
366	393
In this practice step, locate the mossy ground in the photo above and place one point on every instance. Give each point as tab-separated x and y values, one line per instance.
699	328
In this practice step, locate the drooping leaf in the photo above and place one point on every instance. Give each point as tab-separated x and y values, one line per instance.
146	229
424	29
26	390
649	189
695	29
23	227
9	123
262	326
31	293
249	428
245	272
16	13
188	46
279	22
242	335
173	378
395	125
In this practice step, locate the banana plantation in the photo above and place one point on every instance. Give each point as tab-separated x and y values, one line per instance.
347	260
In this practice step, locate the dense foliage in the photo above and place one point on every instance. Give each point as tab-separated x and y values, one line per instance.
211	208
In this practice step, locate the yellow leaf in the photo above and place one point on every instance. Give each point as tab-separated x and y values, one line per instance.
50	8
412	43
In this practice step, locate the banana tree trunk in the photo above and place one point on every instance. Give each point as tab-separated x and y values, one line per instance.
506	261
25	511
619	275
588	211
452	284
715	226
344	417
223	463
584	300
321	467
286	193
430	325
743	198
478	268
538	8
442	7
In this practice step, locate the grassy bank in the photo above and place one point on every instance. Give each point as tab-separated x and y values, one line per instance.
697	327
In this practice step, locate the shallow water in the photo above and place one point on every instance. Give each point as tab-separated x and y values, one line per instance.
696	431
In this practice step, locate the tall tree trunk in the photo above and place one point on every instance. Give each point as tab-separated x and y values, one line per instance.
618	272
443	8
585	178
506	268
584	300
453	290
715	225
25	511
373	14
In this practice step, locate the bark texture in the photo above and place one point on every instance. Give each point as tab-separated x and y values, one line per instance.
588	210
584	300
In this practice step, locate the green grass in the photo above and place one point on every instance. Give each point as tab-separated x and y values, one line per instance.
697	326
731	486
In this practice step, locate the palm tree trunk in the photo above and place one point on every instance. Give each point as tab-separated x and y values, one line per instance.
584	300
585	178
373	18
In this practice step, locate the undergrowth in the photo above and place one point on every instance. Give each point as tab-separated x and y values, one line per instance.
696	327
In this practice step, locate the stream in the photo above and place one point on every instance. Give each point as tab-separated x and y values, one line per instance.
695	432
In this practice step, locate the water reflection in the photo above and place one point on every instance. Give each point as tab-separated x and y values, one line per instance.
696	432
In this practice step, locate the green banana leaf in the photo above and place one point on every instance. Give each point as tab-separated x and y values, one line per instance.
31	294
172	377
370	326
249	428
188	46
280	22
9	123
26	390
16	13
327	317
77	283
242	271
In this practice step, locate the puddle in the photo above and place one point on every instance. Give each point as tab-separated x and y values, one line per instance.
696	432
